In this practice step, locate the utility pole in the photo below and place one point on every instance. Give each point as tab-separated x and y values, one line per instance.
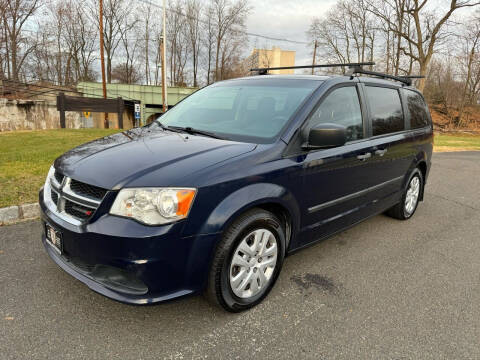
315	44
164	62
102	62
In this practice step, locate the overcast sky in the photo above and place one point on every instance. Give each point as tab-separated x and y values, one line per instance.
288	19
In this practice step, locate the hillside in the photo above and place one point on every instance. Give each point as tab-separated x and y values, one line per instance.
446	120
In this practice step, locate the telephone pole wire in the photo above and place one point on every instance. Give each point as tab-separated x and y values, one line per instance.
102	62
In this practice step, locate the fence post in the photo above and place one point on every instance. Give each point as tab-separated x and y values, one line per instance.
120	112
61	108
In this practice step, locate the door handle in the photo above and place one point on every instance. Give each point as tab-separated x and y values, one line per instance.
380	152
365	156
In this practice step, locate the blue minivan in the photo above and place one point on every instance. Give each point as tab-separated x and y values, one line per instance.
212	196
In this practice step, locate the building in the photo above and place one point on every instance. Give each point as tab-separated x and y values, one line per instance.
274	57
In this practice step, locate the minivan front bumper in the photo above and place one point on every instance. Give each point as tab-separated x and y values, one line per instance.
130	262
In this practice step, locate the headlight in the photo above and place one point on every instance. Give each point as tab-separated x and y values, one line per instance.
154	206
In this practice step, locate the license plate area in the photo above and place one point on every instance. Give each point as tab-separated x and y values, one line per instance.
54	238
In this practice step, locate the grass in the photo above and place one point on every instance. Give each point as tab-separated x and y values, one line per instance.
26	156
456	142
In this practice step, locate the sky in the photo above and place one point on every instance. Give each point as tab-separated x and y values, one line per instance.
289	19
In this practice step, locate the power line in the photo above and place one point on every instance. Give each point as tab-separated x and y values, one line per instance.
267	37
55	90
240	31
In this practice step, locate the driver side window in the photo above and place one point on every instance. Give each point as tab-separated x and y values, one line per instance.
341	107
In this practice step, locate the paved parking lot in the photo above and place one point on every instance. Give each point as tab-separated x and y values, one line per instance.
382	290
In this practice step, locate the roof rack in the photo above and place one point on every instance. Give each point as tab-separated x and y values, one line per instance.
264	71
407	79
354	68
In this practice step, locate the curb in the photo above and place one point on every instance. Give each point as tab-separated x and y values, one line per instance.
12	214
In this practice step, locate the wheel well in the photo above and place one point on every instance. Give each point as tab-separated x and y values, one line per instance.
423	168
284	215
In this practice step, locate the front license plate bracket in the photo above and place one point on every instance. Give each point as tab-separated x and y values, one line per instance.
54	238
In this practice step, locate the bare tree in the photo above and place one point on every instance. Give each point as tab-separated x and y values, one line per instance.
193	13
177	42
346	33
470	60
427	28
209	41
124	73
149	46
116	15
15	14
130	47
229	21
81	39
65	45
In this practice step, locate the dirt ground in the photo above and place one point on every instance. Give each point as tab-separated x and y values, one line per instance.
443	120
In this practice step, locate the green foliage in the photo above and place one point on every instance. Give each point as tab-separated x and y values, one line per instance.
26	156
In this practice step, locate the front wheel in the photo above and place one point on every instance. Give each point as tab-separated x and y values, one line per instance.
411	196
247	261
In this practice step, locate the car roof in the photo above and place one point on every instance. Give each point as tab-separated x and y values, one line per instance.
364	79
284	77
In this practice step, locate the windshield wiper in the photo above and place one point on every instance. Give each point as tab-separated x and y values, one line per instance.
190	130
169	128
160	124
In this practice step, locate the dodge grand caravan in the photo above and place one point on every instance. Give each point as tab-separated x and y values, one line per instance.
215	193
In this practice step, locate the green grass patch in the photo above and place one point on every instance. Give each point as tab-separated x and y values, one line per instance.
26	156
456	142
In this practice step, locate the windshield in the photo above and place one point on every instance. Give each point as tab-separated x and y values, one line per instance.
241	110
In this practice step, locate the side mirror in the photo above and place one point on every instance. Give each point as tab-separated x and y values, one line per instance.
325	136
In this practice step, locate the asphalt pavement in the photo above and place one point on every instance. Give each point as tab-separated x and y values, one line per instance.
384	289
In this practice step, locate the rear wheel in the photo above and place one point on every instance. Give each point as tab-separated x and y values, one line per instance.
411	196
247	261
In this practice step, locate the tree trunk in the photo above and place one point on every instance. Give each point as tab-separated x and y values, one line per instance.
423	72
13	50
217	56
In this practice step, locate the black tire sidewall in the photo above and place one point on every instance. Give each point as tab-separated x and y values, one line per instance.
257	221
414	173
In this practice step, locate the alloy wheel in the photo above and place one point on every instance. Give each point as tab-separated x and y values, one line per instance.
253	263
413	192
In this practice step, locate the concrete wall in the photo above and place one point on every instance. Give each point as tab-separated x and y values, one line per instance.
97	120
34	115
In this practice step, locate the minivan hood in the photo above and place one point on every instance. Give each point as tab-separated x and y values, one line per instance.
128	157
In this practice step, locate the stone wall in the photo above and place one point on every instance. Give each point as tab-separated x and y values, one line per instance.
34	115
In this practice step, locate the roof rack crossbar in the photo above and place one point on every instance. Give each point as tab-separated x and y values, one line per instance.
407	79
264	71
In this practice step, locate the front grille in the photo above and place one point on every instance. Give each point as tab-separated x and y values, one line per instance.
74	200
87	190
78	211
54	197
59	177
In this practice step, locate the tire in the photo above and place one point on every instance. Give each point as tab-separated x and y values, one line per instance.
401	211
256	226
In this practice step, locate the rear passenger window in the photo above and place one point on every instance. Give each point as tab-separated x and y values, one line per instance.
386	110
417	109
341	107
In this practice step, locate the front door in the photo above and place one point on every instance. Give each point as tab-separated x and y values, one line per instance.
337	182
